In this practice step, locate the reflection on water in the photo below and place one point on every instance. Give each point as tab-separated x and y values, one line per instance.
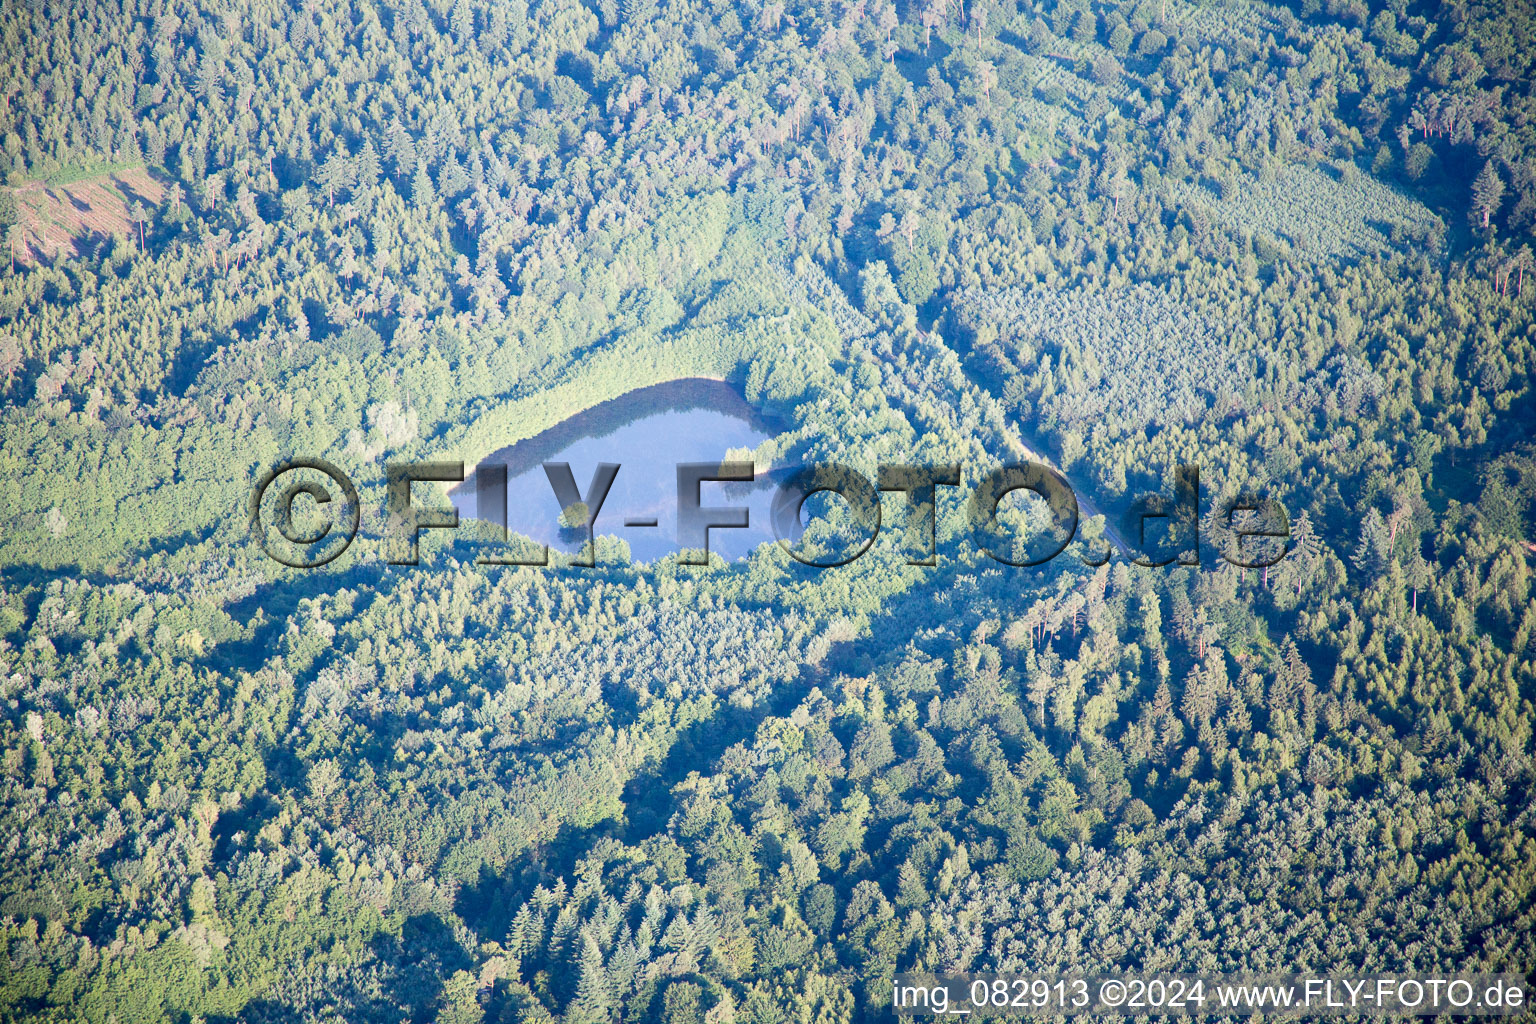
647	432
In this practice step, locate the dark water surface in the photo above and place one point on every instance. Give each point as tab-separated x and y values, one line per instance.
647	432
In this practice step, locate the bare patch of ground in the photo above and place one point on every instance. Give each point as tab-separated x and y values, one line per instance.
67	220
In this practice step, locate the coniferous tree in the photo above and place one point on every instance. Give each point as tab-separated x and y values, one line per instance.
1487	193
594	991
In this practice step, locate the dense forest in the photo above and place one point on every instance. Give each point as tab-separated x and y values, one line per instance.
1283	242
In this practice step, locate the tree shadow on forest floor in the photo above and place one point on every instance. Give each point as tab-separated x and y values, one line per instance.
489	904
410	970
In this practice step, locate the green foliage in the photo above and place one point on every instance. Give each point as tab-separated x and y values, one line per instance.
1128	236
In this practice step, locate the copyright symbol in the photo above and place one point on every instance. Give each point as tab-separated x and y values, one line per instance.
1112	993
283	518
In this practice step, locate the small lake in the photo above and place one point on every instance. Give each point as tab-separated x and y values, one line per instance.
647	432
